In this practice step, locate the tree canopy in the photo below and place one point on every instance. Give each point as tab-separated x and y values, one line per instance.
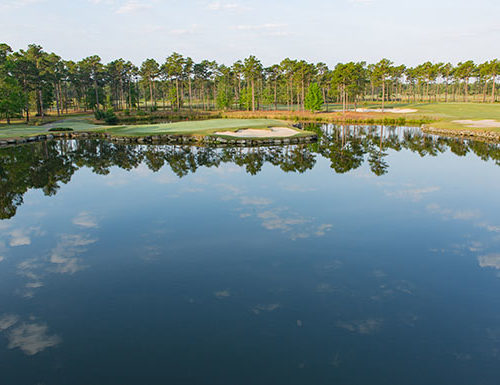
35	81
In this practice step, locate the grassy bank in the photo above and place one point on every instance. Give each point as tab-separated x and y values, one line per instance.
436	117
200	127
195	127
349	117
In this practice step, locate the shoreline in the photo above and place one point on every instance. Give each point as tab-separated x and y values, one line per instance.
465	133
210	140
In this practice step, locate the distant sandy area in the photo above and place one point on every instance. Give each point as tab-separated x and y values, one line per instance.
486	123
273	132
391	110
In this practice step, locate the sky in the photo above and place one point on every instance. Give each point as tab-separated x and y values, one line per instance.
407	32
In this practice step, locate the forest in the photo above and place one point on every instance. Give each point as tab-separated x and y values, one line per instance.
36	82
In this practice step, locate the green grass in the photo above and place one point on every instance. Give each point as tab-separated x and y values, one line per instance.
200	127
442	115
445	113
21	130
456	111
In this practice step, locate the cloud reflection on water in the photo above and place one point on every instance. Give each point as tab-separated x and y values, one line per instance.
31	338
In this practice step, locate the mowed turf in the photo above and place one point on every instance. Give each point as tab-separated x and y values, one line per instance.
446	113
200	127
20	130
442	115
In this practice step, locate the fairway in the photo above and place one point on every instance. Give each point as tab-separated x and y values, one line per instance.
21	130
446	113
200	127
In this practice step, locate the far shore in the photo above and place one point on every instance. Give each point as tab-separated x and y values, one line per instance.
468	120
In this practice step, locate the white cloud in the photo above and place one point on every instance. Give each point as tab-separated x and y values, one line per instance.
18	3
322	229
19	237
453	214
132	7
34	285
4	225
226	6
367	326
415	194
267	308
185	31
66	250
255	201
85	219
272	220
259	27
490	228
298	188
222	294
8	320
32	338
490	260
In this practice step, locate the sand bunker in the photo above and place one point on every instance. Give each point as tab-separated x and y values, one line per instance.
391	110
486	123
273	132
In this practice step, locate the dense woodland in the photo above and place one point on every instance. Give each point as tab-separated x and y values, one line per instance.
33	81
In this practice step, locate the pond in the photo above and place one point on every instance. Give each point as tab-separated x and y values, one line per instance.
370	257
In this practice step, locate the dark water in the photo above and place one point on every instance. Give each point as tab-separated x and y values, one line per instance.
363	259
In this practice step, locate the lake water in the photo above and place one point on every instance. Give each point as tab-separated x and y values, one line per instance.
371	257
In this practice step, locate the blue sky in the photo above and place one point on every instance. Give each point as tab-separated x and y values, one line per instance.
407	32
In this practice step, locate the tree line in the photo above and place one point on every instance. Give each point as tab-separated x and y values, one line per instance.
33	81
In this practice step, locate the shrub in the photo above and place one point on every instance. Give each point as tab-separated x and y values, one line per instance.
60	129
110	117
99	115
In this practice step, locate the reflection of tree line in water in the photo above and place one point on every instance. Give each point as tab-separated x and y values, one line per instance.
45	165
347	147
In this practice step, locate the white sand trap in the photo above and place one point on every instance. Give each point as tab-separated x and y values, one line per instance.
485	123
273	132
391	110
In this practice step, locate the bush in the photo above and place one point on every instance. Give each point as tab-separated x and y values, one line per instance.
60	129
126	112
110	117
99	115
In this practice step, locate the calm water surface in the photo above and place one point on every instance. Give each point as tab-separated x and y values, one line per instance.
372	257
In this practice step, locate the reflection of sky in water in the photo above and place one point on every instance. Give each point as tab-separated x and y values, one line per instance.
225	277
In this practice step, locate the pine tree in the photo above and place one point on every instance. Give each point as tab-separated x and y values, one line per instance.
314	99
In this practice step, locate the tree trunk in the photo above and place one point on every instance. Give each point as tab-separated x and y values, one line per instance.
41	103
150	93
253	95
177	93
493	88
275	96
96	94
27	110
190	106
383	94
57	99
